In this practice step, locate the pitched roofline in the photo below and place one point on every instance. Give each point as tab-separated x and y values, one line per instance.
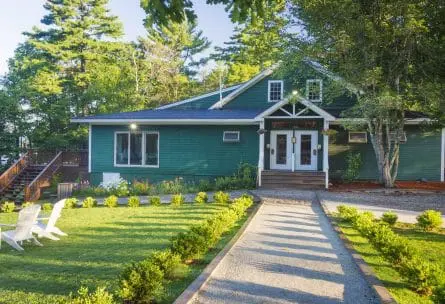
181	102
166	121
408	121
244	87
301	100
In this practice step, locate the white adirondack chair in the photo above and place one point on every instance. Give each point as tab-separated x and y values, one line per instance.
23	228
47	230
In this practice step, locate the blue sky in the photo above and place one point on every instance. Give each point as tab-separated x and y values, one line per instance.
20	15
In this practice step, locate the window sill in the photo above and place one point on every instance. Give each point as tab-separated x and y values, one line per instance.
135	166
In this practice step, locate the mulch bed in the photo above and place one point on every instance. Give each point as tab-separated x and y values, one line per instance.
405	185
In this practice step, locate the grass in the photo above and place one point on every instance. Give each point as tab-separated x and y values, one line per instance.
431	245
101	242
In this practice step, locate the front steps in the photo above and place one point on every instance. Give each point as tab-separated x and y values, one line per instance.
14	191
274	179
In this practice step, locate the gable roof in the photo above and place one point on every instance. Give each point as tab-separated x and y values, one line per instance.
244	87
197	98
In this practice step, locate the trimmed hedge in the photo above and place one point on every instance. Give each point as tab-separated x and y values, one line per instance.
111	201
177	200
99	296
133	201
7	207
390	218
221	197
71	203
201	198
89	202
430	220
144	282
47	206
155	201
424	277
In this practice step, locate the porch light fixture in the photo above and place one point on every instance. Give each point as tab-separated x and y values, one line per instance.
261	131
294	92
294	140
133	126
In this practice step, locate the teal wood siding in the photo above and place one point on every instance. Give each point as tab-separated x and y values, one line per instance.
191	152
419	156
202	103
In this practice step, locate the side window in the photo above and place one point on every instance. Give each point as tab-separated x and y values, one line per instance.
275	90
231	136
358	137
314	90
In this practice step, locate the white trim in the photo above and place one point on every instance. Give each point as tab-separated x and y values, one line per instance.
326	154
357	141
89	146
230	140
261	155
297	117
320	82
408	121
143	147
281	90
442	157
167	121
181	102
243	88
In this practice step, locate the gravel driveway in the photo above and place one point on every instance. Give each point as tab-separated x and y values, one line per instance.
288	254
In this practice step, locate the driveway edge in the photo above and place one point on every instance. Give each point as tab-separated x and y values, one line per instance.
192	290
371	278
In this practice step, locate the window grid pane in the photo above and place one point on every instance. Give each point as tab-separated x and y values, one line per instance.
314	90
151	149
122	149
275	91
135	149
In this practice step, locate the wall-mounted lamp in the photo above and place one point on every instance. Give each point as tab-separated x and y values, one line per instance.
261	131
319	147
268	146
294	140
133	126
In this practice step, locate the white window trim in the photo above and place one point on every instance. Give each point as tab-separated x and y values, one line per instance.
354	141
231	141
320	81
268	90
129	148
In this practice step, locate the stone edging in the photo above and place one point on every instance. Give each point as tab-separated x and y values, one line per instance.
192	290
371	278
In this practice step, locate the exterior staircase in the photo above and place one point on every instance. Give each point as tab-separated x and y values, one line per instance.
15	191
275	179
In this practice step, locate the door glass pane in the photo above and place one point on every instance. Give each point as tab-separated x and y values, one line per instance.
122	149
151	149
305	153
135	149
281	149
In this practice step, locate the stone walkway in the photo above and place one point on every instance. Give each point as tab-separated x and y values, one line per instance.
288	254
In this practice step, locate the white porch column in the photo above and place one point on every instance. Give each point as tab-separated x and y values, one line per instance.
326	152
442	157
89	147
261	154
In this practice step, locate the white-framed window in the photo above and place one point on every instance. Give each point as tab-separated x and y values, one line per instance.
358	137
402	137
275	90
314	90
231	136
136	149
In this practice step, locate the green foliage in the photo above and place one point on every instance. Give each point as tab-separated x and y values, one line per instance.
47	206
188	245
390	218
141	282
347	213
133	201
439	294
111	201
422	275
89	202
140	188
205	185
177	200
221	197
27	204
201	198
175	186
71	203
169	263
430	220
353	165
244	178
99	296
7	207
155	201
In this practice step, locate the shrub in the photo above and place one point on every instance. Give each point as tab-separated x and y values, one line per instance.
47	206
177	200
111	201
353	165
169	263
430	220
134	201
115	187
439	294
171	187
141	283
189	245
421	275
347	213
205	185
140	188
201	198
390	218
89	202
221	197
155	201
27	204
99	296
8	207
71	203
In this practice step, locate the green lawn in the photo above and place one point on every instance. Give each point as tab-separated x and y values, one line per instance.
101	242
431	245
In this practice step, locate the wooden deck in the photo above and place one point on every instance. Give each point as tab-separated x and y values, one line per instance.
276	179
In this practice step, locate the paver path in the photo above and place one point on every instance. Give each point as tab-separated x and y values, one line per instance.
288	254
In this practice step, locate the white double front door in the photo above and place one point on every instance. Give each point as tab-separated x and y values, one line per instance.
292	149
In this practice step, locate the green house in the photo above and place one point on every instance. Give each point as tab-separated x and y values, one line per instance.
275	122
